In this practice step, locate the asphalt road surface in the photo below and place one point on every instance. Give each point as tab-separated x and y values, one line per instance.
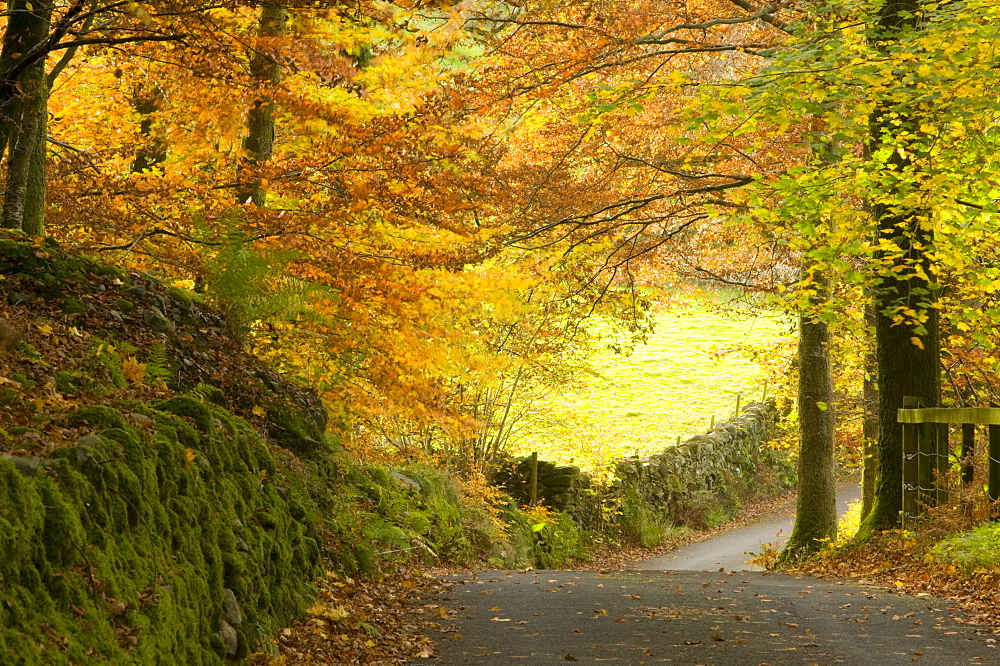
693	616
731	550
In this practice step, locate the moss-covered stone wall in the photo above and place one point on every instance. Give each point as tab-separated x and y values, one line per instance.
166	535
681	485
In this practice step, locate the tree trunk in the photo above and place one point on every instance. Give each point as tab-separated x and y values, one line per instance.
869	424
24	118
146	101
816	511
908	356
258	145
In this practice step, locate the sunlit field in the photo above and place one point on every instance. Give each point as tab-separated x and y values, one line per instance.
693	368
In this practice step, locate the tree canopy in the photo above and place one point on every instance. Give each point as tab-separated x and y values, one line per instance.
423	206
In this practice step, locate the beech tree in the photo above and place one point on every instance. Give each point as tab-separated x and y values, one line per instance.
908	357
909	204
34	31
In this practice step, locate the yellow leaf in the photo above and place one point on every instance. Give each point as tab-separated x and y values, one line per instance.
133	370
258	411
45	328
190	455
917	342
331	613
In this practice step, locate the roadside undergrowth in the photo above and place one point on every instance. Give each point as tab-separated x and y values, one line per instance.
954	553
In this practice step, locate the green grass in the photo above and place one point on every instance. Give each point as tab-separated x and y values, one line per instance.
692	368
975	551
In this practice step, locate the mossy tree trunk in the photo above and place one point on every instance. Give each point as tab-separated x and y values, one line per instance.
816	511
258	145
908	355
146	101
869	424
24	115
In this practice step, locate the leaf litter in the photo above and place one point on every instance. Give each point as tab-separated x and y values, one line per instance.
360	621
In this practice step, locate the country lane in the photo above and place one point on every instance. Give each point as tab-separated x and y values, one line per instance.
733	617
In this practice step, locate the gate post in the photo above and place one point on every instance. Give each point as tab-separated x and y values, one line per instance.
968	452
910	469
942	451
925	464
993	487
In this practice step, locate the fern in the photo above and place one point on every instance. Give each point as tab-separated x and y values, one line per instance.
158	365
204	392
252	286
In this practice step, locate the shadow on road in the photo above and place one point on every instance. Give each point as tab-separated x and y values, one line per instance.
681	609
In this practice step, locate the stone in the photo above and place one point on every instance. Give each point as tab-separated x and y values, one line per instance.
231	607
26	466
157	321
404	480
230	639
18	298
140	420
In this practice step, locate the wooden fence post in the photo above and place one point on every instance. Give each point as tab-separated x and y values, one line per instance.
533	479
993	487
910	465
941	454
968	452
925	464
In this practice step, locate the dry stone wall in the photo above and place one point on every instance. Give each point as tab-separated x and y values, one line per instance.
669	484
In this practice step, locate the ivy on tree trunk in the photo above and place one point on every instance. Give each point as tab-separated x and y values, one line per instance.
258	145
24	116
816	510
907	352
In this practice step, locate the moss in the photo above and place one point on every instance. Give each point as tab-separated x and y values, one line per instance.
184	295
9	397
192	408
72	382
50	265
74	306
99	415
127	520
29	352
295	429
124	305
15	256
